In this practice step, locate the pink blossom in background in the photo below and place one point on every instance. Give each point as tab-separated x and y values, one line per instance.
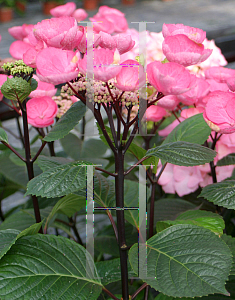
106	41
56	65
128	78
167	130
231	83
220	74
195	34
199	90
225	145
104	69
192	111
220	111
3	78
74	99
41	111
180	49
63	10
169	78
179	179
59	32
168	102
222	173
80	14
20	32
155	113
124	43
18	48
43	89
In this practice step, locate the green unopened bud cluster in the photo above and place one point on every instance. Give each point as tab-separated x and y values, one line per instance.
17	67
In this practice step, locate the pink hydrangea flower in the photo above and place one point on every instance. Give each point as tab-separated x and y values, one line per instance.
124	43
167	130
217	86
192	111
56	65
41	111
222	173
220	111
195	34
63	10
168	102
18	48
231	83
104	69
225	145
169	78
59	32
155	113
43	89
220	74
180	49
20	32
128	78
80	14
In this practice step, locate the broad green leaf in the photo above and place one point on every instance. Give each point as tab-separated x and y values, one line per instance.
181	262
227	160
222	193
170	208
206	219
47	267
47	162
110	270
230	241
67	205
3	136
183	153
23	219
67	122
8	237
194	130
59	181
33	84
16	88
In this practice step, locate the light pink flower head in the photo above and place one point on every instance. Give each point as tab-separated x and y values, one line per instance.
195	34
192	111
220	111
217	86
124	42
56	65
128	78
168	102
169	78
63	10
3	78
41	111
155	113
18	48
80	14
43	89
104	69
59	32
20	32
167	130
231	83
220	74
180	49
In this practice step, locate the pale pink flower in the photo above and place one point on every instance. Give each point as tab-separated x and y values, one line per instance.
20	32
168	102
169	78
180	49
225	145
124	43
217	86
155	113
199	90
63	10
107	41
80	14
231	83
104	69
18	48
219	74
222	173
41	111
59	32
128	78
192	111
43	89
167	130
195	34
56	65
220	111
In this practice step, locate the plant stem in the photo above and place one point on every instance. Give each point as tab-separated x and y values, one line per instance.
20	131
119	189
79	240
109	293
143	286
29	163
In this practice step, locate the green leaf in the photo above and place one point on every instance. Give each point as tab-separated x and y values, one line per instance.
67	205
194	130
181	262
206	219
33	84
3	136
227	160
183	153
110	270
230	241
16	88
8	237
221	193
67	122
59	181
47	267
45	163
